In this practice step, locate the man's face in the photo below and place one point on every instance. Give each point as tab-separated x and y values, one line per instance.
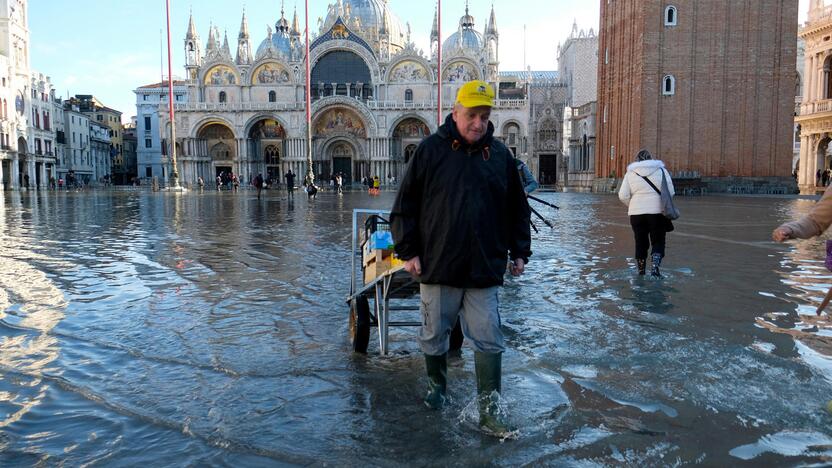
472	122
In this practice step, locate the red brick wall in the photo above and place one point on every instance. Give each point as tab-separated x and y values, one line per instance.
733	61
620	83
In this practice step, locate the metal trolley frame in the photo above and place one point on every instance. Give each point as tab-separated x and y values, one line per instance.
395	283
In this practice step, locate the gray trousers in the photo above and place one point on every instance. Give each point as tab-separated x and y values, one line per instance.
478	310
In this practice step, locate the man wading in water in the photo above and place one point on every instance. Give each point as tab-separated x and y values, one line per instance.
460	213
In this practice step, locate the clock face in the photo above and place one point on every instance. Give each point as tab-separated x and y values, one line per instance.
19	104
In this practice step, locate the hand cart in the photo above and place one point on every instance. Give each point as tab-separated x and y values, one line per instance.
377	275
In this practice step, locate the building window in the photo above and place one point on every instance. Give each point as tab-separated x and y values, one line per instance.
147	123
272	96
148	171
408	95
670	16
669	85
148	143
222	96
144	97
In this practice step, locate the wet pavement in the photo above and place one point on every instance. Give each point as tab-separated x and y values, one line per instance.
210	329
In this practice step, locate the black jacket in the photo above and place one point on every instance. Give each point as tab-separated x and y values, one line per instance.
461	208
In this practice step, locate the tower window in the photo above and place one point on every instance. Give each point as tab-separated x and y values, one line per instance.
669	85
272	96
408	95
670	16
222	96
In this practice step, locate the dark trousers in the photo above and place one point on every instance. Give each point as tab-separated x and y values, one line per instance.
648	229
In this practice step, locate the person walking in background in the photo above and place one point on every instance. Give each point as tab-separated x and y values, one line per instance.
200	182
219	182
457	243
258	183
290	184
640	192
529	184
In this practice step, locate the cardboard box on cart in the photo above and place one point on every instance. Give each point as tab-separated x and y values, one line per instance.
378	256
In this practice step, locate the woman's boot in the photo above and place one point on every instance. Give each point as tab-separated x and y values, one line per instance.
489	373
437	367
657	261
642	265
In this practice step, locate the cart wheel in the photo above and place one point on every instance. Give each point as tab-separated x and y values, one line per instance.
360	324
457	337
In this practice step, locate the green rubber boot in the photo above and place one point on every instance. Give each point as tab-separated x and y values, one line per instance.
437	367
489	370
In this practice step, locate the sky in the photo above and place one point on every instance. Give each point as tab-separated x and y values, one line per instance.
108	48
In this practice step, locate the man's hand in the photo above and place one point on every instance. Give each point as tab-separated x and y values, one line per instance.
413	266
517	266
781	234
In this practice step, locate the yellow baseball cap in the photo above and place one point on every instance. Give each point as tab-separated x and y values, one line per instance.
475	93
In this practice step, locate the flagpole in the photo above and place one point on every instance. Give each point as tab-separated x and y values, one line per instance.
310	174
438	63
175	173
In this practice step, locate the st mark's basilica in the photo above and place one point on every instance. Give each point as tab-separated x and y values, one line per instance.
373	97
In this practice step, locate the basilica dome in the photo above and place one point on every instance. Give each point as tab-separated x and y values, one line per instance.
466	37
367	18
279	42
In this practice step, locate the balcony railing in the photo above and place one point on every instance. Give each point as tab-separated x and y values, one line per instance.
274	106
816	107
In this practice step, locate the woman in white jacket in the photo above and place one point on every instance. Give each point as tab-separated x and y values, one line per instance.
645	208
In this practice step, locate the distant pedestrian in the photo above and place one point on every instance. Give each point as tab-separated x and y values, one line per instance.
290	184
219	182
311	191
235	181
200	182
339	181
817	178
824	178
640	192
258	183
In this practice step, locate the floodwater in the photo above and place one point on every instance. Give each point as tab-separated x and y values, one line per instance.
142	328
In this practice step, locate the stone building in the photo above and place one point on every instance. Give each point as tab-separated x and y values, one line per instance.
149	159
27	136
815	117
374	97
578	70
101	154
707	86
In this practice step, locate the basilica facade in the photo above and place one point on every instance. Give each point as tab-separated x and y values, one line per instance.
373	97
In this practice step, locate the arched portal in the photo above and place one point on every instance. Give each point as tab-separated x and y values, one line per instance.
824	162
219	140
342	154
265	147
407	135
22	163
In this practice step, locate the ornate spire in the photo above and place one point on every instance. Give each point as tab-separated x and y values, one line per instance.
492	23
212	41
192	34
385	24
467	21
434	30
282	25
244	26
295	27
226	50
243	45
